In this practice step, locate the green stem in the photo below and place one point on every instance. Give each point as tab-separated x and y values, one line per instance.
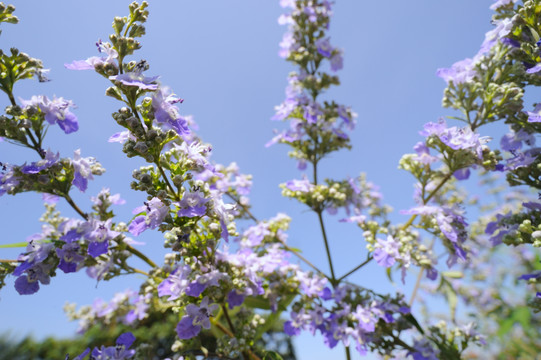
74	206
228	319
370	258
141	256
348	353
327	249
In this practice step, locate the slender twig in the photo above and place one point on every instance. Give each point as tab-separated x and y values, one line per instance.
418	281
416	288
140	271
75	207
9	261
244	207
141	256
229	322
370	258
348	353
327	249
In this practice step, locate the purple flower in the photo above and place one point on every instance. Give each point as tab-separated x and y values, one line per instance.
501	3
175	284
136	78
119	352
300	185
165	111
105	196
197	153
462	174
56	111
27	284
502	29
311	285
8	179
513	140
92	62
155	210
140	310
70	259
337	61
423	154
98	233
460	72
99	271
196	317
367	317
234	299
456	138
192	204
82	170
324	47
222	211
35	167
298	321
387	251
203	281
121	137
424	351
50	198
535	115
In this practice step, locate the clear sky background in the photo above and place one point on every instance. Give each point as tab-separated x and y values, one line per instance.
221	57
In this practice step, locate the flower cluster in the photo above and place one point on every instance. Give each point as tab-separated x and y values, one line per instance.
227	277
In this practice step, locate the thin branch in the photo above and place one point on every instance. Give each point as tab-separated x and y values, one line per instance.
229	322
370	258
327	249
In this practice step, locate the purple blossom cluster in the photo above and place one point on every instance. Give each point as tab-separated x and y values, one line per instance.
465	71
301	108
338	317
55	111
66	246
125	307
120	351
23	178
451	224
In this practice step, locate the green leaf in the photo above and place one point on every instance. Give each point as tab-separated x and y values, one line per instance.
389	273
505	327
14	245
519	315
412	320
257	302
522	315
453	274
272	355
294	249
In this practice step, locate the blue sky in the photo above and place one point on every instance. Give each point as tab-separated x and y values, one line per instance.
221	57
